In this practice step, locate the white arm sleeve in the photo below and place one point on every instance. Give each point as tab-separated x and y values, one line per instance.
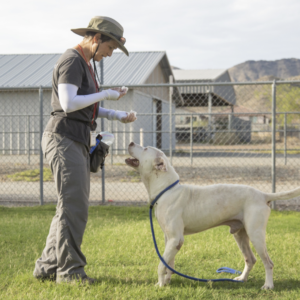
111	114
70	101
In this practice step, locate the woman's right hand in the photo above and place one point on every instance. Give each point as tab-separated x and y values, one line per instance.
131	117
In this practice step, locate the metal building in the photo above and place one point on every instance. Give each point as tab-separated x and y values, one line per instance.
201	99
205	95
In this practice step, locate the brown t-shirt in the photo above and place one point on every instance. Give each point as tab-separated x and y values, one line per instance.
71	68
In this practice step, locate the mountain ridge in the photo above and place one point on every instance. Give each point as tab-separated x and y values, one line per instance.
252	70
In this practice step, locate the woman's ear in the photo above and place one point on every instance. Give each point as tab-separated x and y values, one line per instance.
97	38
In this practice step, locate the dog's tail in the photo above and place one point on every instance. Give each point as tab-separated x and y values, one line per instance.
283	195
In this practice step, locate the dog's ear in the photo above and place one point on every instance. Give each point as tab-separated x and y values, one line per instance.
160	164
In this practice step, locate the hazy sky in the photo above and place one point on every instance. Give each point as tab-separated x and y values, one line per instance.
196	34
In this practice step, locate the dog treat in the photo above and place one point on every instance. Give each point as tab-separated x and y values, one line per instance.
134	112
124	89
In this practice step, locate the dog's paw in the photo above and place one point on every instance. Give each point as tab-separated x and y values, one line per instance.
267	287
160	284
240	278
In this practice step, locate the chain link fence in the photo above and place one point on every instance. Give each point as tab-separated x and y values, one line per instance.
239	133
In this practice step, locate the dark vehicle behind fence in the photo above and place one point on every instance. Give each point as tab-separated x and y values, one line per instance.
183	134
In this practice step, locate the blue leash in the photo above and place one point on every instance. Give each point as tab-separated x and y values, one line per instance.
220	270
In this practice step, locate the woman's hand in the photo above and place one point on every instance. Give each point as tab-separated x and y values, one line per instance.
121	90
131	117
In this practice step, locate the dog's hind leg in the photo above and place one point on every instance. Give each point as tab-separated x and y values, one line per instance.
256	229
242	240
173	245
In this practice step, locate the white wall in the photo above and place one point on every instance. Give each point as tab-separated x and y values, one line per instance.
17	107
20	120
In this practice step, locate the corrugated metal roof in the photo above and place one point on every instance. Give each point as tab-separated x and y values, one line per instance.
135	69
32	70
25	70
209	74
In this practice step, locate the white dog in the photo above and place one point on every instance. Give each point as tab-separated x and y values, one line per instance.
187	209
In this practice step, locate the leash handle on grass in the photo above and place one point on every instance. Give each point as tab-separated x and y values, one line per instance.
161	258
228	270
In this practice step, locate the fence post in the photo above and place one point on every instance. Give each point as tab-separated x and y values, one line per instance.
3	136
284	133
229	122
18	138
112	145
142	137
28	139
191	141
102	129
10	136
274	141
209	112
40	144
171	116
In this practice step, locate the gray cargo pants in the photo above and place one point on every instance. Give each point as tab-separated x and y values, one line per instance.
70	165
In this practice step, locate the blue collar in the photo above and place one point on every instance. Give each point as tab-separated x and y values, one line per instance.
161	193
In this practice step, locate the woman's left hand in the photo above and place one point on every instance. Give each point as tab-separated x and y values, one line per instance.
131	117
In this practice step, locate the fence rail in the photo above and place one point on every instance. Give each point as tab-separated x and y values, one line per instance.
246	132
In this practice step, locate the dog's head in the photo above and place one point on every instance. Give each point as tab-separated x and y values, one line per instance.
154	167
146	160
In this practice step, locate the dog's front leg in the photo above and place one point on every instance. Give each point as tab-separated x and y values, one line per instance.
172	247
171	264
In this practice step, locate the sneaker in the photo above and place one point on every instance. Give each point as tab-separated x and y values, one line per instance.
77	278
88	280
51	277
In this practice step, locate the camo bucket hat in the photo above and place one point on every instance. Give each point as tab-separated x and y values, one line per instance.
106	26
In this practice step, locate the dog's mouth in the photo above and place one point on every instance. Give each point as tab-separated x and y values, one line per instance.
132	162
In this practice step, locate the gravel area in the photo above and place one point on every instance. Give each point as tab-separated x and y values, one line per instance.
123	184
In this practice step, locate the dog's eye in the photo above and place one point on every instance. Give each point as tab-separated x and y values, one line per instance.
161	164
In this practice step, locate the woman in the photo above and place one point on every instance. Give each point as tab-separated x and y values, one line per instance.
67	140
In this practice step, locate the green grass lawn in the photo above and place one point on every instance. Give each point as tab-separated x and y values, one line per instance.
120	254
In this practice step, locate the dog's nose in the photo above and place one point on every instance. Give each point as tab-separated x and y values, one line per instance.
131	144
